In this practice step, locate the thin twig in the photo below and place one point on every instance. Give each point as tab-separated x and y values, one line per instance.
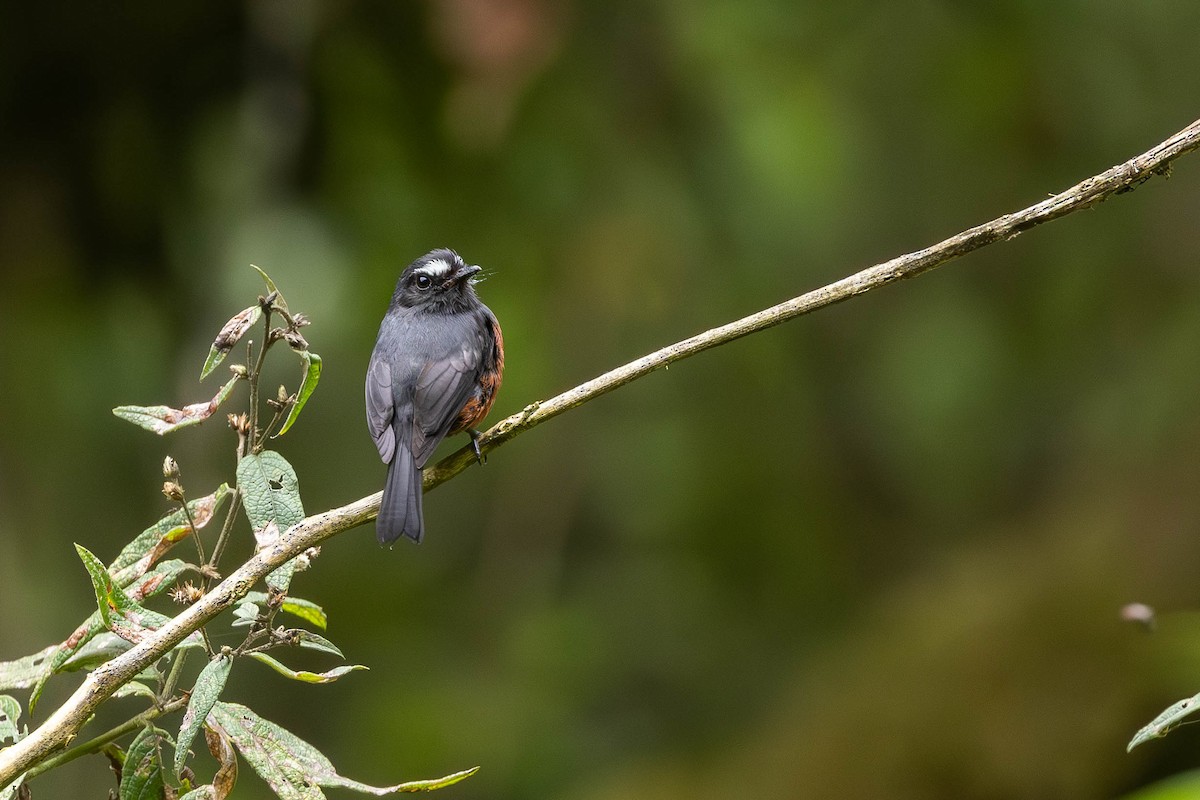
168	688
275	420
223	537
256	375
187	512
58	729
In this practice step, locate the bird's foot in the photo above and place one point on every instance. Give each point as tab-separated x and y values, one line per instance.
479	456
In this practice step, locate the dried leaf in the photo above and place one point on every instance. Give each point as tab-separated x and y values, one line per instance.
229	335
222	750
164	419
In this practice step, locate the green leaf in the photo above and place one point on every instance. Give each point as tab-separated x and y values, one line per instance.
303	675
121	614
108	595
10	712
208	688
409	786
135	689
25	672
293	767
245	614
164	419
270	490
279	757
77	651
157	580
271	497
63	656
281	578
229	335
312	374
137	556
111	600
313	641
89	646
271	287
306	610
1180	786
62	653
101	647
1166	721
142	776
205	792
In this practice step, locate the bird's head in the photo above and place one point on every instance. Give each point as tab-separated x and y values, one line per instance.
437	281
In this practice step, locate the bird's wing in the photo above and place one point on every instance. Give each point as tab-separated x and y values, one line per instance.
443	388
381	408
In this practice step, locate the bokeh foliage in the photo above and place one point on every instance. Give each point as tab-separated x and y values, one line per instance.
876	552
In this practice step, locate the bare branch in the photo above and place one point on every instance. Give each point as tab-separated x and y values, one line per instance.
1121	178
62	726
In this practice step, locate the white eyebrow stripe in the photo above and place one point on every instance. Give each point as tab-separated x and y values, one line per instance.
436	268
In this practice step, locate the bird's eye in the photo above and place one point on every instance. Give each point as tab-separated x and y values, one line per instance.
424	282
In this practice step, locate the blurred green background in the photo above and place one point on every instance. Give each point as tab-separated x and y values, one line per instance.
876	552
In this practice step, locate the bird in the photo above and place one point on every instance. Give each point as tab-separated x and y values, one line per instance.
435	370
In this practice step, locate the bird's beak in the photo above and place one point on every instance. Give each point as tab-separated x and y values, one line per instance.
461	274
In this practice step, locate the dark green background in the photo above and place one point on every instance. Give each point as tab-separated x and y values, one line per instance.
877	552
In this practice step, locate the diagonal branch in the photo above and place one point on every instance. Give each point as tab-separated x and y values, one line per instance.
65	722
1117	180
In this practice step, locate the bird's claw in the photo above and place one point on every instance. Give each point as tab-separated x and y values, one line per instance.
479	456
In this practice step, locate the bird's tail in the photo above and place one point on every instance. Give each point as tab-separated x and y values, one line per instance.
400	514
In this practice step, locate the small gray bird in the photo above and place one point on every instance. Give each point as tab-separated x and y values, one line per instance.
435	371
